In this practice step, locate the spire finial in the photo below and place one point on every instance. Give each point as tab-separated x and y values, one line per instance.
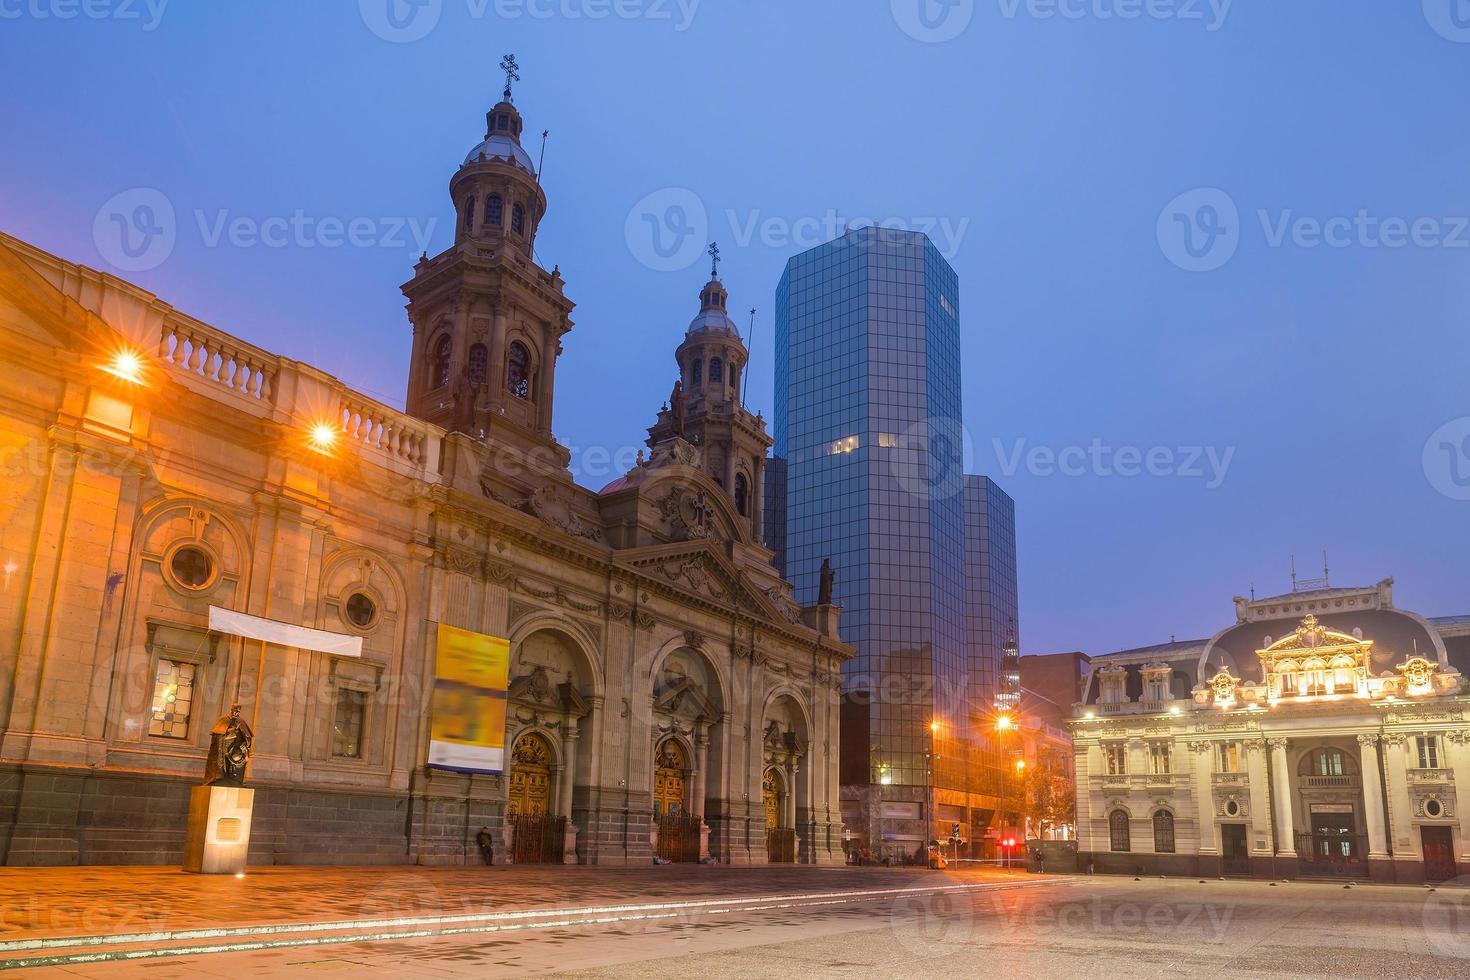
714	254
512	73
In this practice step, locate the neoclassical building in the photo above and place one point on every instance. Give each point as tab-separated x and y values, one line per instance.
1323	733
666	694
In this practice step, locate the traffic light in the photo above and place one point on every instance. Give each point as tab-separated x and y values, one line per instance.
954	831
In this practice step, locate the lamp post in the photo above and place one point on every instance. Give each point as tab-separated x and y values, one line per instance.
1003	723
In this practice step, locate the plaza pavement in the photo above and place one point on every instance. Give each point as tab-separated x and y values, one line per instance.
724	922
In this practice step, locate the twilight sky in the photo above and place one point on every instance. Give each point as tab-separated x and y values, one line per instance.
1214	257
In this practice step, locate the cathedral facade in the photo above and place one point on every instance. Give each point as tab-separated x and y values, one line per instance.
667	698
1322	734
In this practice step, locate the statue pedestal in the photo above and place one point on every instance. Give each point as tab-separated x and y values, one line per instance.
219	829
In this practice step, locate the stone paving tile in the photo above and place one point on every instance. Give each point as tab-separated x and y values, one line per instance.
38	902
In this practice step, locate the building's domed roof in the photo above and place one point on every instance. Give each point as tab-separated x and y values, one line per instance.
714	320
504	148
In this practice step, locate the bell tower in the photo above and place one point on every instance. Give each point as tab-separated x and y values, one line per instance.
487	318
706	407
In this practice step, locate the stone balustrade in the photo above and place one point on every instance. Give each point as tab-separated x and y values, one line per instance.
218	366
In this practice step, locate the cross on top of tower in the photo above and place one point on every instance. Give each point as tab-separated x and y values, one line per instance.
714	254
512	72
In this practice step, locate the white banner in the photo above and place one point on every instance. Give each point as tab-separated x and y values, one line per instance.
284	634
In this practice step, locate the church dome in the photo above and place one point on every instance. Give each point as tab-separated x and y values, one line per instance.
502	147
713	316
715	321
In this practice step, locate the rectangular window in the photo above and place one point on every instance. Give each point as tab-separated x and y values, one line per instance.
1428	746
1117	756
1227	756
173	699
347	728
1158	757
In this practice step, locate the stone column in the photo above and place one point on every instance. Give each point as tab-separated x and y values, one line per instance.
1204	798
1260	810
1281	790
1457	744
701	749
1400	819
568	770
1372	796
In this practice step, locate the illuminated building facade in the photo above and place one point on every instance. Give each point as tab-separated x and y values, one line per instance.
1323	734
667	696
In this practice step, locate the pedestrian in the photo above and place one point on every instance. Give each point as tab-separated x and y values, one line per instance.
486	840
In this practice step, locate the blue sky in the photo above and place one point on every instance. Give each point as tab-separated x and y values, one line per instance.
1061	153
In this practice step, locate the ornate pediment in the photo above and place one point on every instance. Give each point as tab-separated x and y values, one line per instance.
1311	635
549	504
537	688
688	514
681	696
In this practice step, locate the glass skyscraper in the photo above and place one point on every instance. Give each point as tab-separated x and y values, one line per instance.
870	466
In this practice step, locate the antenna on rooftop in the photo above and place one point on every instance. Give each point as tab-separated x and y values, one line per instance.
541	164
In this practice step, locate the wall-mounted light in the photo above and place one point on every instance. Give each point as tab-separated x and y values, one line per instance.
323	437
127	365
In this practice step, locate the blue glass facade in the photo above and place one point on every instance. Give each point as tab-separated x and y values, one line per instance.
991	618
867	357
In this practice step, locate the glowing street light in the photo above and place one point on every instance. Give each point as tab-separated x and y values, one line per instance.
1004	723
1020	765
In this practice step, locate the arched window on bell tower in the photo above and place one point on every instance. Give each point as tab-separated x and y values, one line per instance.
469	214
742	495
518	370
699	374
443	352
518	219
494	211
479	361
716	371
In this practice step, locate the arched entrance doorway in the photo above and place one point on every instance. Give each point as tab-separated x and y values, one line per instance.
536	833
780	838
678	831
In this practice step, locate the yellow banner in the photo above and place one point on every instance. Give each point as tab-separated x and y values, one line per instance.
467	724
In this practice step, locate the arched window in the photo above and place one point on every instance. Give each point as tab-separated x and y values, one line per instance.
1118	831
479	363
494	210
1163	832
442	352
1326	762
742	493
469	214
518	370
698	374
502	121
518	219
735	379
716	371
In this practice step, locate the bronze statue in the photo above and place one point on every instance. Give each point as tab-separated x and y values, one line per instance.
679	406
229	750
824	591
